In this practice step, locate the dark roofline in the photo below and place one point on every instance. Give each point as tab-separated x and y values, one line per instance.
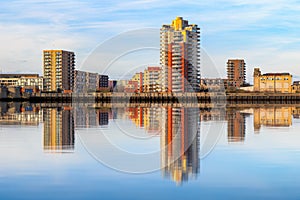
17	75
275	74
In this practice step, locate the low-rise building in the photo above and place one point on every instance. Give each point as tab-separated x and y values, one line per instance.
80	80
120	85
14	92
103	84
151	79
139	77
112	84
212	84
131	87
296	87
247	88
3	92
272	82
88	81
92	81
22	80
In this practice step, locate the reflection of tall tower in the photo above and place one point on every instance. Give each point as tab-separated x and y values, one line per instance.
180	143
58	129
236	126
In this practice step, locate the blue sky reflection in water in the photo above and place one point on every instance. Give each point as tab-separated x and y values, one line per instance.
256	155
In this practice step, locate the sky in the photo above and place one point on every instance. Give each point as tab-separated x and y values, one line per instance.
265	33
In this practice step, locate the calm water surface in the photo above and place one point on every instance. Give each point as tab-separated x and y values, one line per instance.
149	152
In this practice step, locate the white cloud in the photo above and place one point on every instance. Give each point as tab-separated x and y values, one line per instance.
31	26
21	46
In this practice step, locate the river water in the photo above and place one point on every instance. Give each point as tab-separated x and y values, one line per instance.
90	151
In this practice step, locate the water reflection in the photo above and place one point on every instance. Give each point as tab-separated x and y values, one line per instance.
180	144
88	117
273	117
236	121
178	128
58	129
19	114
236	128
60	122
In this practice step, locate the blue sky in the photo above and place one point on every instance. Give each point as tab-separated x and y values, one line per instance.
265	33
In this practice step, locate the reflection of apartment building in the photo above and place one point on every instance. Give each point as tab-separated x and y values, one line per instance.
236	73
58	129
22	80
273	117
20	114
179	56
136	114
236	126
148	118
151	79
59	66
272	82
236	121
85	117
296	112
216	114
152	120
180	143
103	117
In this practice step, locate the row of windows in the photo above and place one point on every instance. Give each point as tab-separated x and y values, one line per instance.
272	79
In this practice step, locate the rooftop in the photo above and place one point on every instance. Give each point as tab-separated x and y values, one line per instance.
18	75
296	83
153	68
276	74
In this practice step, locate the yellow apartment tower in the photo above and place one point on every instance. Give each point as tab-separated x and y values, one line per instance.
59	70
